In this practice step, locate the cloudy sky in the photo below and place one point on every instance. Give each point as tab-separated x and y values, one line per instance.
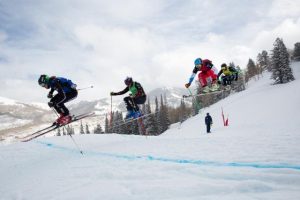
100	42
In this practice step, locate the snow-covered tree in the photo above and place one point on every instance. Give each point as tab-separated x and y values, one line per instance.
69	129
280	63
87	129
296	53
184	112
150	121
263	61
81	128
58	132
157	116
98	129
251	69
107	127
164	115
64	131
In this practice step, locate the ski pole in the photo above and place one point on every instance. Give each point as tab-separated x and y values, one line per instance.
69	134
86	88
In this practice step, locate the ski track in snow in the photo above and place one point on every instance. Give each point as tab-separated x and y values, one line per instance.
171	160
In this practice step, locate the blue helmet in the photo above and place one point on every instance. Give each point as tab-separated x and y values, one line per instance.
198	61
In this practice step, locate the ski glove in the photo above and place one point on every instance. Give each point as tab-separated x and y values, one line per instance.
50	95
187	85
50	104
112	94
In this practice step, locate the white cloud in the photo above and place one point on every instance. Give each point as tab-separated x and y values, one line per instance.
101	42
284	8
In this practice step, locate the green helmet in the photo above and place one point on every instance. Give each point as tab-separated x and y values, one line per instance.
44	80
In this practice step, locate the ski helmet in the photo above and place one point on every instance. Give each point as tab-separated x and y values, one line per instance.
128	81
44	80
198	61
223	66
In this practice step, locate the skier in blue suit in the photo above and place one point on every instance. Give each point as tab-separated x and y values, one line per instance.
66	91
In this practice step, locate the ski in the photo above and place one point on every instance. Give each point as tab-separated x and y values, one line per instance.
203	94
132	119
26	139
53	127
41	130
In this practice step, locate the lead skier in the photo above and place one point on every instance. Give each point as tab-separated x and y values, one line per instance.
66	91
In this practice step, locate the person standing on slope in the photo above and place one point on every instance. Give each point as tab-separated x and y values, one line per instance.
66	91
137	96
208	122
206	73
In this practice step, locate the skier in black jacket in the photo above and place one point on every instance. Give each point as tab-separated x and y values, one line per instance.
227	74
136	97
208	122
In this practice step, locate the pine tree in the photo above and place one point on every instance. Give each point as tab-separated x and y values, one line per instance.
106	130
69	130
87	130
63	131
296	53
81	128
196	105
58	132
251	69
134	127
150	122
98	129
263	61
280	64
183	112
116	121
157	116
164	118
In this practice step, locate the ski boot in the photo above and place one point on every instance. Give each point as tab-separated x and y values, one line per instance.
214	87
205	90
129	114
137	114
63	120
58	119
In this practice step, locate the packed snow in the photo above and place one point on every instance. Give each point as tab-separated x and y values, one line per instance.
255	157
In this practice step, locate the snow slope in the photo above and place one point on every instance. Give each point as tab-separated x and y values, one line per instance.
255	157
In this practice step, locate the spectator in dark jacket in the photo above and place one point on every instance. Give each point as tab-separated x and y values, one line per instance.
208	122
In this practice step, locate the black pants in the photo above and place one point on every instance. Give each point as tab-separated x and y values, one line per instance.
207	128
226	80
60	99
132	103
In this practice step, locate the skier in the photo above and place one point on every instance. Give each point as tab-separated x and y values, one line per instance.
208	122
136	97
66	91
228	73
206	72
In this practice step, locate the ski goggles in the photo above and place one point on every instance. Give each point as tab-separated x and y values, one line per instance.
44	85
